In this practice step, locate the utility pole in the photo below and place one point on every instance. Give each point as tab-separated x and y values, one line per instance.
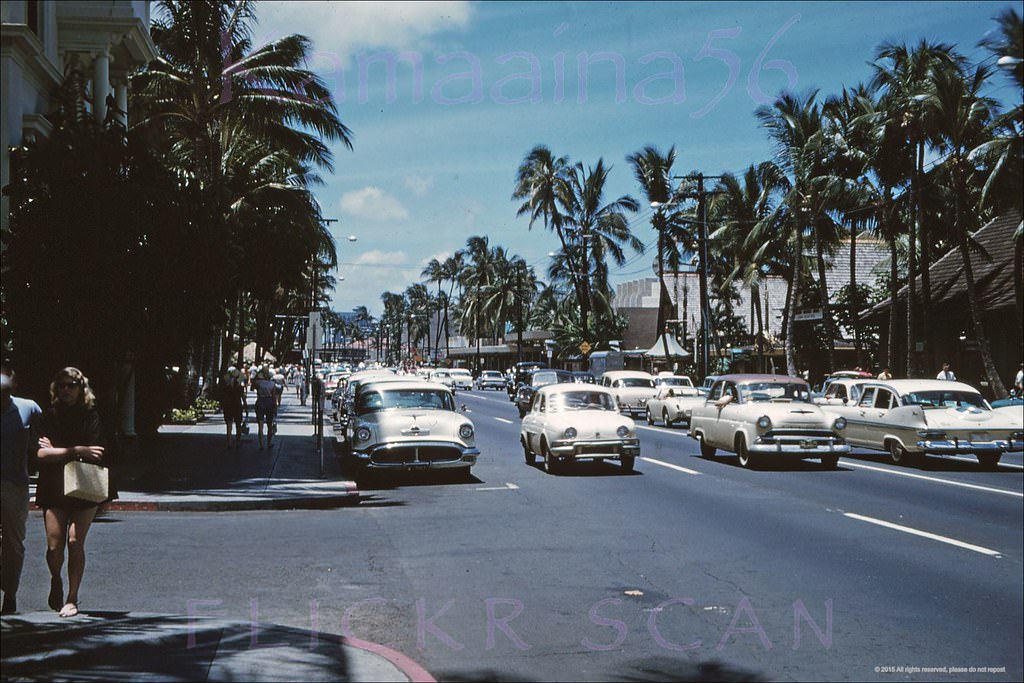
519	307
702	239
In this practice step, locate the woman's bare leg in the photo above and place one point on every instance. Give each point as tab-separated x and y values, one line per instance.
55	522
81	520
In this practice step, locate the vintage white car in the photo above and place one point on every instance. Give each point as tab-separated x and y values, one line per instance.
632	389
766	417
461	378
442	377
673	404
909	418
491	379
411	425
841	391
570	422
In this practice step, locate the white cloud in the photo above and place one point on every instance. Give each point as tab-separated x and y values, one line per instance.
377	257
341	29
373	204
419	185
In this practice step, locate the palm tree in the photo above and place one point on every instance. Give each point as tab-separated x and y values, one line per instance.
601	228
904	76
739	206
653	171
795	125
541	182
1003	155
209	99
961	117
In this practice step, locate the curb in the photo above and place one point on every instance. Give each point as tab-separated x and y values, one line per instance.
224	503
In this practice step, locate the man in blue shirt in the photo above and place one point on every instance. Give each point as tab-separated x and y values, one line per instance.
18	442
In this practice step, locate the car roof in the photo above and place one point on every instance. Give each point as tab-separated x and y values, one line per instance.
405	384
573	386
628	373
904	386
760	378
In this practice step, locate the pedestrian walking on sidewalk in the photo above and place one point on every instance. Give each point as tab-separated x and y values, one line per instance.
19	443
232	398
266	404
70	430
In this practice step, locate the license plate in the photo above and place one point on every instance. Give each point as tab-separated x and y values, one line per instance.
806	443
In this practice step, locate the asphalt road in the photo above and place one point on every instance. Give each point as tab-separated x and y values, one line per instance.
687	569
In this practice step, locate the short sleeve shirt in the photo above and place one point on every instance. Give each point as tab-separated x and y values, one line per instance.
20	420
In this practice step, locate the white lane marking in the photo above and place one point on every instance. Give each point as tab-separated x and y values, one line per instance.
965	485
501	419
975	461
664	430
507	487
669	465
925	534
482	398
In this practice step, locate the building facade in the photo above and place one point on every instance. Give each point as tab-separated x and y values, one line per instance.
42	41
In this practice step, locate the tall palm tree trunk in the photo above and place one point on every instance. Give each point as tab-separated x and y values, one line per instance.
826	308
791	297
995	382
756	296
858	344
925	238
890	353
912	290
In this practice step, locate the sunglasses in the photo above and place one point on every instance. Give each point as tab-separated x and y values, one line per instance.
69	385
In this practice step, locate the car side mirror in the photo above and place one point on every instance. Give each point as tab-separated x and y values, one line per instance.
845	401
463	408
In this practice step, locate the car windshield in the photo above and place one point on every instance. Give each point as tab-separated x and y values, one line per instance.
774	391
460	373
404	399
490	374
676	382
637	382
580	400
945	399
541	379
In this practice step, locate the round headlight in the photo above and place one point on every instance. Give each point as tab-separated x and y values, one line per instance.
622	431
570	433
764	422
840	423
363	434
466	431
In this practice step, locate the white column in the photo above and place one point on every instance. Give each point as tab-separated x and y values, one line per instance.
121	92
100	85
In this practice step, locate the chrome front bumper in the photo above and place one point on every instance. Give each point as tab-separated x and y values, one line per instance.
803	446
421	455
611	449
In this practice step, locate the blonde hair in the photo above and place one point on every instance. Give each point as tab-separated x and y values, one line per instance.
87	398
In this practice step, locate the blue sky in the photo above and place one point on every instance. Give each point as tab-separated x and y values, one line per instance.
477	85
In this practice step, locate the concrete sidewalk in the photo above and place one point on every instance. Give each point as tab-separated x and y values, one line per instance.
189	468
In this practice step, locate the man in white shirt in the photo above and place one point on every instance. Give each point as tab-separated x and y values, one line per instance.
946	373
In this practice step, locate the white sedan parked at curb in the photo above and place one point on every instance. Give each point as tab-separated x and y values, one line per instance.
569	422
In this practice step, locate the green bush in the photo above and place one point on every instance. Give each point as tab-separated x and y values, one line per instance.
206	405
185	415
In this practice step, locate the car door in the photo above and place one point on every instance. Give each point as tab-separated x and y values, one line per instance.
714	427
859	420
875	426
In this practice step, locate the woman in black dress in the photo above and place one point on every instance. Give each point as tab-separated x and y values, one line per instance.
70	430
232	399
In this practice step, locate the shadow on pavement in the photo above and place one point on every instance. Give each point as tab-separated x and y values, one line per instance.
122	646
